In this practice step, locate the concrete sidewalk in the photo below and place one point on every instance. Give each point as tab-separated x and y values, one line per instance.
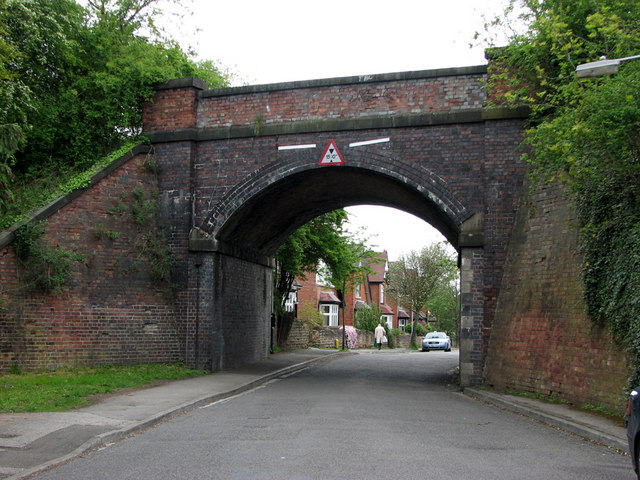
587	425
32	442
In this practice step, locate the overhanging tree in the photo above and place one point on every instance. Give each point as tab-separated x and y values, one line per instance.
300	254
347	265
323	240
416	278
74	79
586	134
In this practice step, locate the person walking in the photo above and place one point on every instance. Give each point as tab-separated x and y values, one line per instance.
379	334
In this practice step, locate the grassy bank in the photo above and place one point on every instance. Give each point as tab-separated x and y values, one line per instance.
70	388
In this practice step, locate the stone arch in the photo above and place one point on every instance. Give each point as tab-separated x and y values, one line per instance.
251	221
283	195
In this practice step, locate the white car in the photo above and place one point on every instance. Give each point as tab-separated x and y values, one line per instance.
436	341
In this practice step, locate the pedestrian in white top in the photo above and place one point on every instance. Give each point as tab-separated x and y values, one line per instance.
379	334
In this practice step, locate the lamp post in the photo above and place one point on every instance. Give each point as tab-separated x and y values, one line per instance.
604	66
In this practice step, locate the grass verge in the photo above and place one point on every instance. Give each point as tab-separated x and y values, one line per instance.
66	389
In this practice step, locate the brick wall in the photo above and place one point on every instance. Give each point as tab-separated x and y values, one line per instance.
110	311
448	160
298	336
542	340
445	90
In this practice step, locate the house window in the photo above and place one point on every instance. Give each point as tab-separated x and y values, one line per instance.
323	274
292	299
388	319
381	293
330	312
358	290
402	323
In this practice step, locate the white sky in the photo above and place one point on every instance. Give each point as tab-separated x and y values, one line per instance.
270	41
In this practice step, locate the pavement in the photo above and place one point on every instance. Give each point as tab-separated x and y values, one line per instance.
33	442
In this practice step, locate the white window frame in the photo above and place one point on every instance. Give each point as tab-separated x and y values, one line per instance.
358	290
388	319
382	293
289	304
330	313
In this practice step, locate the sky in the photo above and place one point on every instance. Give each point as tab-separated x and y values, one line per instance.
272	41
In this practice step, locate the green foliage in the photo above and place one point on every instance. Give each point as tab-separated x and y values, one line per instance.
310	315
15	369
101	232
368	318
46	268
323	239
81	96
420	330
391	339
417	278
445	307
586	134
140	208
302	251
35	191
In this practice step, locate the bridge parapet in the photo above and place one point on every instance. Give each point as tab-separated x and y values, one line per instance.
351	97
366	96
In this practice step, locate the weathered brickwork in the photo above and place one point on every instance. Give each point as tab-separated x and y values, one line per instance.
226	184
359	96
298	336
110	312
229	195
542	340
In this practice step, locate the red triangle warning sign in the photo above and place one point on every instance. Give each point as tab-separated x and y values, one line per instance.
331	156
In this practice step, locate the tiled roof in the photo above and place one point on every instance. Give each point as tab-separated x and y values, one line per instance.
386	309
402	313
328	297
378	264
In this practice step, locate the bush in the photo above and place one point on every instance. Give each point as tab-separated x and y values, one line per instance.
352	336
368	318
310	316
420	330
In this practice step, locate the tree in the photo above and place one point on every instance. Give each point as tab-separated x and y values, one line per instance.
367	318
585	133
318	240
417	277
445	307
348	264
322	241
90	71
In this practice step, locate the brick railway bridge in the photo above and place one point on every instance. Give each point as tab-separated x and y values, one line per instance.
234	171
242	168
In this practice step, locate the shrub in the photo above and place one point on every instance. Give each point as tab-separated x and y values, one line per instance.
420	330
368	318
352	336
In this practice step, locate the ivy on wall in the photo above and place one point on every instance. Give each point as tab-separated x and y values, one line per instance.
46	268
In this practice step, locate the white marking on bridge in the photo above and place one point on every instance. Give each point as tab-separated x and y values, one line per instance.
296	147
369	142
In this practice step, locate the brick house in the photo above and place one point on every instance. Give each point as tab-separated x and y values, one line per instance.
315	293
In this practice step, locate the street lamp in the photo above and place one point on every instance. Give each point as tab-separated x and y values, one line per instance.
604	66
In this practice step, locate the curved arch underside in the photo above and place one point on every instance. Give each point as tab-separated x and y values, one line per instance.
264	221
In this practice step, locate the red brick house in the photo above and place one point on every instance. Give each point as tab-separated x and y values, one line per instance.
316	293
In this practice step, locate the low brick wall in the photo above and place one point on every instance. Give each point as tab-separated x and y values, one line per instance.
325	337
404	341
298	336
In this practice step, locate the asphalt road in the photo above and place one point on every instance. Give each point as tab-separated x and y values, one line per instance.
387	415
